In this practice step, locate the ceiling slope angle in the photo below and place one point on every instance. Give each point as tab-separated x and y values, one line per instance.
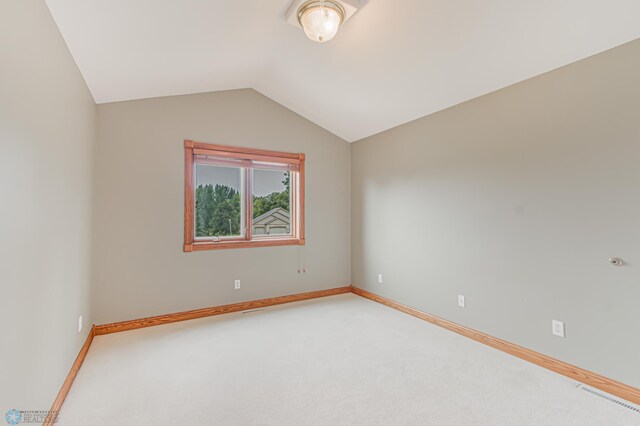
390	63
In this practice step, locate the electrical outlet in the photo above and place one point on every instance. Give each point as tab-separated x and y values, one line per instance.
79	323
557	328
237	285
380	278
461	301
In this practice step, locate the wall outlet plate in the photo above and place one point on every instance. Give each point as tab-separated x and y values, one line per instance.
379	278
79	323
236	284
461	301
557	328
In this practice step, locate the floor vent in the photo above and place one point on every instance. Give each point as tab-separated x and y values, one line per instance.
608	397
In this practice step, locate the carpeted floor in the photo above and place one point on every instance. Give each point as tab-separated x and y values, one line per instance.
341	360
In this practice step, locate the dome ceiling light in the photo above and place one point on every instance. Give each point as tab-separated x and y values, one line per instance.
321	19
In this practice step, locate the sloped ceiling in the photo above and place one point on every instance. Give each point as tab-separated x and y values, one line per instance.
394	61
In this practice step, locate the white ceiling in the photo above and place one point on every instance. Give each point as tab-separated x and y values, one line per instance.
394	61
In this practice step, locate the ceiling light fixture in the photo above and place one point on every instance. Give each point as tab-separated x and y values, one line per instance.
321	19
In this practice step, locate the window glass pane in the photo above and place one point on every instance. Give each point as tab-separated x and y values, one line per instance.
271	203
218	198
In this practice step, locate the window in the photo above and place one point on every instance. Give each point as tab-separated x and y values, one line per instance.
239	197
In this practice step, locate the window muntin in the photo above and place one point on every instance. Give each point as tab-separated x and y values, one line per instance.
239	197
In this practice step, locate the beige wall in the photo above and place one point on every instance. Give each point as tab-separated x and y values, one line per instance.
139	266
47	133
517	200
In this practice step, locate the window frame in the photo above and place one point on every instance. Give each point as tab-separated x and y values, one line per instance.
191	243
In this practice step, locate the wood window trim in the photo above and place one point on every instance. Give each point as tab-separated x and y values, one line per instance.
192	148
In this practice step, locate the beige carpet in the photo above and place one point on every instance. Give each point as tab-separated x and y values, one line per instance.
341	360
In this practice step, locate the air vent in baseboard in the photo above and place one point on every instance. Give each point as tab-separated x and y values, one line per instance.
611	398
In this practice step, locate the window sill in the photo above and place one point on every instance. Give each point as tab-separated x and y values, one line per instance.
220	245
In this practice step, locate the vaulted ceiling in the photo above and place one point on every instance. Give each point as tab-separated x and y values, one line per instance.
394	61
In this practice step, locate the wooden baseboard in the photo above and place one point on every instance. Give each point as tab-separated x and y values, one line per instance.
592	379
64	390
217	310
587	377
97	330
